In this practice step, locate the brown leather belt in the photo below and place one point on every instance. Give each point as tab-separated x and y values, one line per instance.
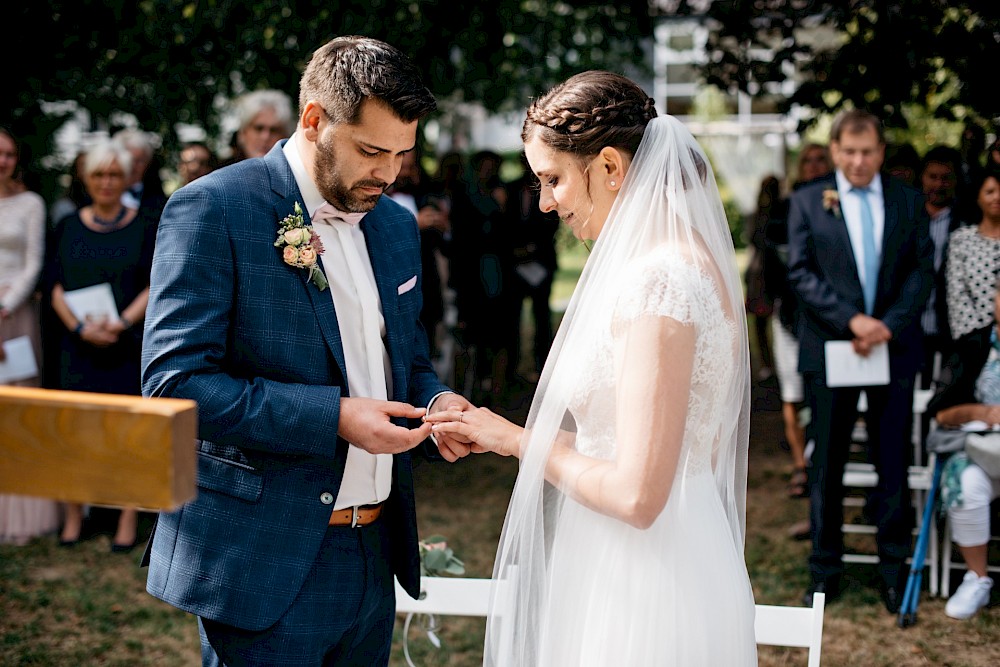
359	515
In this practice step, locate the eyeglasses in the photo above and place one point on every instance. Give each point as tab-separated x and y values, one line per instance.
109	175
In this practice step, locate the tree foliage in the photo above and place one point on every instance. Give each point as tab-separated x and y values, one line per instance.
881	55
170	61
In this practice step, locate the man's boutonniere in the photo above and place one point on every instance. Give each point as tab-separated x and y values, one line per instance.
831	202
301	246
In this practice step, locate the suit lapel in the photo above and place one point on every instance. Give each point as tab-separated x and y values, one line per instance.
373	226
838	223
326	313
890	208
283	185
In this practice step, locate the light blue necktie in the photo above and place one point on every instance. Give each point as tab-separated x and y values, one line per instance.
871	259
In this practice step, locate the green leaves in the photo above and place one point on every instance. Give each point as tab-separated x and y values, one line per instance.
437	558
879	55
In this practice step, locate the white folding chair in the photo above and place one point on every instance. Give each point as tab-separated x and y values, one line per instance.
792	626
774	626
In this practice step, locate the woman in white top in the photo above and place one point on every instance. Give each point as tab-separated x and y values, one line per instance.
22	241
623	542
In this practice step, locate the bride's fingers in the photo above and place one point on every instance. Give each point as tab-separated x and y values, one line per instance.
445	416
452	427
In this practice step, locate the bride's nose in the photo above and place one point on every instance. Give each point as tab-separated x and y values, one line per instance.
546	202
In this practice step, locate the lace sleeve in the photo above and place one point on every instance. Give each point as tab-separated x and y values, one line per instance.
664	285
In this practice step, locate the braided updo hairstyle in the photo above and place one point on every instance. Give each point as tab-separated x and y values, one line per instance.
589	111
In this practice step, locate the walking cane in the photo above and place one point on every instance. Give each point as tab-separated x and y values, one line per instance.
908	608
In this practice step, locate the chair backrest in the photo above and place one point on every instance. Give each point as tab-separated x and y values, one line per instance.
792	626
447	597
774	626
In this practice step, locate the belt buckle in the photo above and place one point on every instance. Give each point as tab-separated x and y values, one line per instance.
354	516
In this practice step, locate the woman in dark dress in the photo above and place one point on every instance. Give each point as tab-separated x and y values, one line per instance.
104	242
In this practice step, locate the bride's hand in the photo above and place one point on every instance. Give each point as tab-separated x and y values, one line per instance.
487	430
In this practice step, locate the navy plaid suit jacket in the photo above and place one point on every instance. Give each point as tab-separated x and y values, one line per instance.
257	346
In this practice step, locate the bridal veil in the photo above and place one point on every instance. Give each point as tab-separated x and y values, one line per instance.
665	250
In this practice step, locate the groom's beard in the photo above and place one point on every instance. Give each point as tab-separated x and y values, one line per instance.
330	183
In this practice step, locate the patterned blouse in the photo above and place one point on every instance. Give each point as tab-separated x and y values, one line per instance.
973	269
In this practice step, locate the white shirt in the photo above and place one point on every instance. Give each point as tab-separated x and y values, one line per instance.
367	477
850	207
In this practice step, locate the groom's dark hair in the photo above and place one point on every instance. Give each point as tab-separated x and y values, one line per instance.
346	71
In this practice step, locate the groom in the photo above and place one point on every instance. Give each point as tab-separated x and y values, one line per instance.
291	341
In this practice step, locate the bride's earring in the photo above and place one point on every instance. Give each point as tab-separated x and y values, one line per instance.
612	184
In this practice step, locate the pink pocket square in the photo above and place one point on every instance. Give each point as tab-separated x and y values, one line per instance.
407	286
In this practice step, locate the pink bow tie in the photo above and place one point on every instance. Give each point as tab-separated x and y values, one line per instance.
325	213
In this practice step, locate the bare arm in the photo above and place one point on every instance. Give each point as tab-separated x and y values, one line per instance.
960	414
654	380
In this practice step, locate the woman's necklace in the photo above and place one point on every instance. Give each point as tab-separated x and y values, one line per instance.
104	222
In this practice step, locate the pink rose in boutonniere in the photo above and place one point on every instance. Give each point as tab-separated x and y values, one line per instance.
301	246
831	202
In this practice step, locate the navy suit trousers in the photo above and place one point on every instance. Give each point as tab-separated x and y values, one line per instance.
889	423
342	617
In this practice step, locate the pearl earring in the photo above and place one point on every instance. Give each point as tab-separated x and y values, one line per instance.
612	184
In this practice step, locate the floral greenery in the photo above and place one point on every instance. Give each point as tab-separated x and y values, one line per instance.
301	246
437	558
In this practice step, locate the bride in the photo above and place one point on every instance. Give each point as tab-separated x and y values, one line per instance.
623	542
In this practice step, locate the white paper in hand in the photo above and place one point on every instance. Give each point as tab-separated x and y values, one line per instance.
93	303
847	368
20	363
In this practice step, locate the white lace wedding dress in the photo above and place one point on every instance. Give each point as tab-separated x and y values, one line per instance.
678	592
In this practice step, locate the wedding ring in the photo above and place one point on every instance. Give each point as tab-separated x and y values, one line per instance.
461	417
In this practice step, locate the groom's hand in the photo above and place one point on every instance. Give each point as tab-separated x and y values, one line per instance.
364	422
452	446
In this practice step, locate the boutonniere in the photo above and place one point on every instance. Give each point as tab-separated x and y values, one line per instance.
831	202
301	246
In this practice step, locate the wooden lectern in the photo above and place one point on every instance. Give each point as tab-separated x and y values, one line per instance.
98	449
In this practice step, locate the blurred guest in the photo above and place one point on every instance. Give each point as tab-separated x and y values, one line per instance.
993	156
411	189
759	300
265	117
22	239
972	148
535	263
109	243
973	262
903	162
939	181
861	263
483	254
970	392
144	187
75	195
814	162
196	160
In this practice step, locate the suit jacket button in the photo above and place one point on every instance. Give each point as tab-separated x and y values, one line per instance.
326	498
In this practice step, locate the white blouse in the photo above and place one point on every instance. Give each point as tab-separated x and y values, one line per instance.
22	245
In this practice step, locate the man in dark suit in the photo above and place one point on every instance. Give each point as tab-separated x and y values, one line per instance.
861	264
292	337
938	177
